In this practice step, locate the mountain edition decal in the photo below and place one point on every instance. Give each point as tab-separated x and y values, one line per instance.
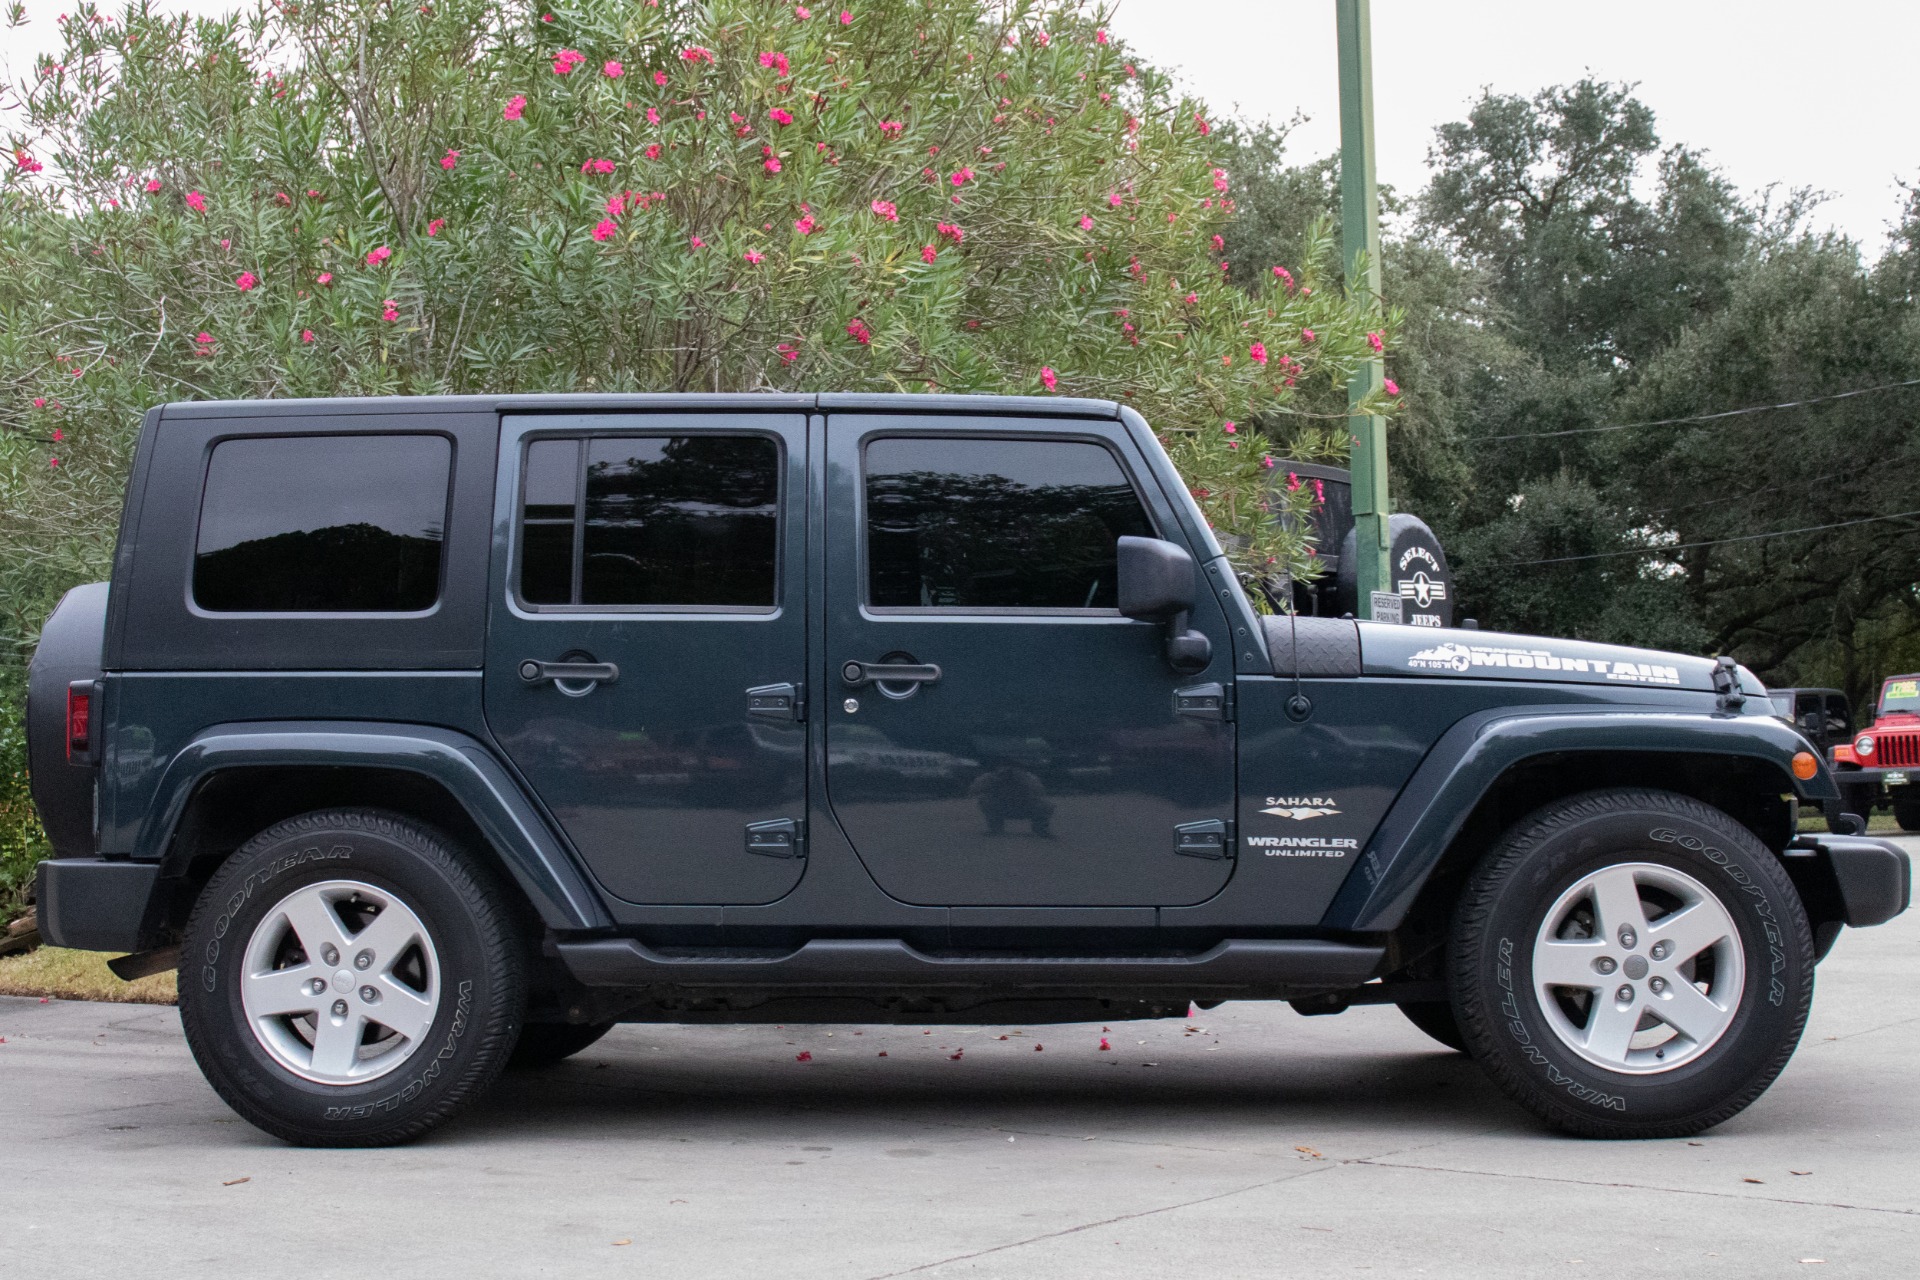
1462	658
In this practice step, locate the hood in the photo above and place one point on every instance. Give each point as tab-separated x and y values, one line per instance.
1449	653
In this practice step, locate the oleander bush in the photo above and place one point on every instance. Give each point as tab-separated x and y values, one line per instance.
346	197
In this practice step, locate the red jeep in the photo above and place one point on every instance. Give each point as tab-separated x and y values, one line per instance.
1883	761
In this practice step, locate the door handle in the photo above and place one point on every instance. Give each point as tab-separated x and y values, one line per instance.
857	674
533	671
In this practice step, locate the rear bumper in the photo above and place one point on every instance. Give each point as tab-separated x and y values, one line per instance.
92	904
1873	879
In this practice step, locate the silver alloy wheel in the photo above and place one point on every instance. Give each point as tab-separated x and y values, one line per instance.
340	982
1639	968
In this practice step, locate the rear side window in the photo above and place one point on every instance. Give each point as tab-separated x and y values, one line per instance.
995	524
651	522
323	524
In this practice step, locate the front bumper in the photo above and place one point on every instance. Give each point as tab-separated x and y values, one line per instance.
1845	777
93	904
1871	880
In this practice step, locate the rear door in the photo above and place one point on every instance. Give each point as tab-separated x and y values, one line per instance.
660	559
1046	764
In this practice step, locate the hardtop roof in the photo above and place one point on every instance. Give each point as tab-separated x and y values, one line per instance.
687	401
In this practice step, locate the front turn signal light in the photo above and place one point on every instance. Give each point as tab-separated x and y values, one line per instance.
1804	765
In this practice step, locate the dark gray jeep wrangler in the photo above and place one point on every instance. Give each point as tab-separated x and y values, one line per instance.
425	736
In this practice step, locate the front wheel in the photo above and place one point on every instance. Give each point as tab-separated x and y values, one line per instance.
1907	814
1631	964
349	979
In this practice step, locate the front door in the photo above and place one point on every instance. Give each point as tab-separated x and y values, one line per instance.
649	571
1030	754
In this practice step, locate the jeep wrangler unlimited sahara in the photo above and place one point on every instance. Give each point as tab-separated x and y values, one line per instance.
423	735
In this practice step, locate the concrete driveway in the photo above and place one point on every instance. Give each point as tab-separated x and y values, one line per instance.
1263	1144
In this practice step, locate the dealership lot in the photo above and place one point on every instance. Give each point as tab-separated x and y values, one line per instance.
1246	1142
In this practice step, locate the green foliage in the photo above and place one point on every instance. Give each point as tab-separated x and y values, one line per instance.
347	197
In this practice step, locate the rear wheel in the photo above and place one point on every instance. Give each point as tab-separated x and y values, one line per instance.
348	979
1631	964
542	1044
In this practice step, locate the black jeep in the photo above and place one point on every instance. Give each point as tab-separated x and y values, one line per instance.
427	735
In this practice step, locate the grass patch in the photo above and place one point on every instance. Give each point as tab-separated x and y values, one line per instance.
78	975
1880	824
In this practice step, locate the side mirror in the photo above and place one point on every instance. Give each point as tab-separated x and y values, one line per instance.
1156	584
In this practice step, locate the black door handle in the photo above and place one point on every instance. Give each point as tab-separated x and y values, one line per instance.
534	671
863	673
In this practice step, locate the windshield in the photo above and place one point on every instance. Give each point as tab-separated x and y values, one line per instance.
1782	705
1901	695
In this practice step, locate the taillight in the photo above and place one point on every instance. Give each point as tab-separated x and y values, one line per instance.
80	719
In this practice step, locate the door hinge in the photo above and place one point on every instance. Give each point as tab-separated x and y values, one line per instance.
778	838
1209	838
778	701
1204	701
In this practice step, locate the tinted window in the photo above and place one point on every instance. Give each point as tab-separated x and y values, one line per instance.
995	524
323	524
689	521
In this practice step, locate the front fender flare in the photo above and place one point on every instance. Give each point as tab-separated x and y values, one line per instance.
555	886
1471	756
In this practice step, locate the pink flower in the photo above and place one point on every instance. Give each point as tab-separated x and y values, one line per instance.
53	462
891	126
245	281
597	166
377	256
788	353
1293	481
616	204
1219	179
1230	429
773	164
153	185
226	244
196	202
566	60
778	61
434	227
950	231
804	224
1375	341
1042	39
1113	200
516	105
1283	276
1306	335
885	209
306	335
546	17
780	115
1218	244
450	159
653	115
388	311
1200	123
846	17
39	402
1393	388
1104	1044
754	257
1086	223
1192	299
801	12
695	242
1257	353
653	151
204	338
605	229
859	332
1266	460
324	279
26	163
696	53
1100	36
612	70
928	253
58	435
962	176
660	78
1048	378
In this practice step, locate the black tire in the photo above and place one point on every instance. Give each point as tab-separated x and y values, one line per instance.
543	1044
1507	1027
477	958
1907	814
1435	1017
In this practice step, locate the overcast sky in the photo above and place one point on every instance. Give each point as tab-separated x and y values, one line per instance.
1774	92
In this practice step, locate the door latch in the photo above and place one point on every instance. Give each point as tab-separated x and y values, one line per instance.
1204	701
778	701
777	838
1208	838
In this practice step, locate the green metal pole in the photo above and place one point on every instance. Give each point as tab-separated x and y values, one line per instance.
1360	239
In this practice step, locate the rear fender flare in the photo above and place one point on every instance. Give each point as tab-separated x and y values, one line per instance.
1474	754
526	847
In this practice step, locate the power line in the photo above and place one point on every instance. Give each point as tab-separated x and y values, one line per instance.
1710	542
1699	417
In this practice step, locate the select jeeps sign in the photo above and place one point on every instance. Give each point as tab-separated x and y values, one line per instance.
1419	574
